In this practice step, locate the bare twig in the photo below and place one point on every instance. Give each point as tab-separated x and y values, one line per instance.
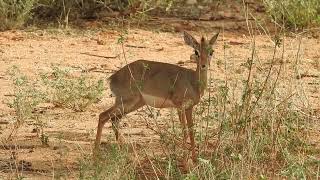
106	57
135	46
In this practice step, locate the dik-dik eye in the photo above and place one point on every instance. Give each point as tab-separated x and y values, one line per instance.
211	53
196	52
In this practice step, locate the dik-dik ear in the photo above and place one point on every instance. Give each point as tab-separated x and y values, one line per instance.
191	41
214	39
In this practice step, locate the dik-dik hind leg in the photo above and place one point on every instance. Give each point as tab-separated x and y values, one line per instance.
127	105
122	106
115	127
103	118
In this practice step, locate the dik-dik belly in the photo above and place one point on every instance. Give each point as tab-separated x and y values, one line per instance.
157	102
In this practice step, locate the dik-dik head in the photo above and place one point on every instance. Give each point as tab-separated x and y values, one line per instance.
203	51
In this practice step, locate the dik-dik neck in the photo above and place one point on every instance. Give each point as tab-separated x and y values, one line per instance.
202	79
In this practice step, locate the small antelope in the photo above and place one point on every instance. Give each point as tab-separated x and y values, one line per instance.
160	85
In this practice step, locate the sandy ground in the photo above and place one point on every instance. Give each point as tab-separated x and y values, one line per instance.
71	134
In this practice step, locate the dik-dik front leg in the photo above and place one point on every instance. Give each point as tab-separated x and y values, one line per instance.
191	132
182	118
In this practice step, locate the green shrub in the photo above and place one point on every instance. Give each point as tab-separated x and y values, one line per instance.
14	13
26	96
294	13
76	93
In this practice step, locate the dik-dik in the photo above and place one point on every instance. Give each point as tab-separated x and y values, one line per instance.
160	85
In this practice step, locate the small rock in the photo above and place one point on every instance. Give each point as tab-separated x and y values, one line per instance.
101	42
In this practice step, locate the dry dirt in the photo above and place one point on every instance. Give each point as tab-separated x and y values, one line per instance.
71	134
